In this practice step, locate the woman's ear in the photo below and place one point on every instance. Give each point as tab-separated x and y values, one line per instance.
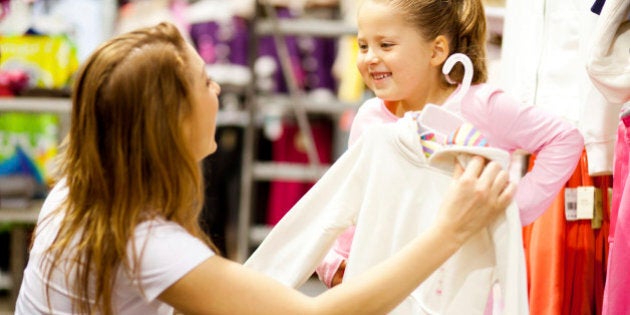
440	50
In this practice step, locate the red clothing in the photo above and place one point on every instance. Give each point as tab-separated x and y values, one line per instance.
566	259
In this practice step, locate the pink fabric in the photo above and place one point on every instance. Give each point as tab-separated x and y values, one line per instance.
617	277
283	194
373	111
339	253
620	174
508	125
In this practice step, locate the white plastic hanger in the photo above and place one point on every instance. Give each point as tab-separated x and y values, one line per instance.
439	119
468	75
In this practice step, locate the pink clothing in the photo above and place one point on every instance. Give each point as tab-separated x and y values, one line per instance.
617	277
283	194
508	125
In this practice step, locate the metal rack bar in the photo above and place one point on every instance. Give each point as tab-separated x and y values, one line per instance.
297	102
308	27
294	91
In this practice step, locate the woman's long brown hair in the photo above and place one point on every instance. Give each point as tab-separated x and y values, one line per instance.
125	160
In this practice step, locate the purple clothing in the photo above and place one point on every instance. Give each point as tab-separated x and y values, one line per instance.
508	125
218	43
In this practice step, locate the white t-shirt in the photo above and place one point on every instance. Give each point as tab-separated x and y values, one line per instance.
168	253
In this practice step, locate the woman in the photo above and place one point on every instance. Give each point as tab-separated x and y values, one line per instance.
119	233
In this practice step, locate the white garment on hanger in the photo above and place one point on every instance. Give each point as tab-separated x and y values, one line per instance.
385	186
608	62
543	58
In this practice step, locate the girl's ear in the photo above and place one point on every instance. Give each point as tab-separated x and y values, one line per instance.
440	50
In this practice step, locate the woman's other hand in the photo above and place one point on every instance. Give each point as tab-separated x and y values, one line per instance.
478	194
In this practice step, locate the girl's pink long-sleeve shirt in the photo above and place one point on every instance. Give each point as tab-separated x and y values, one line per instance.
508	125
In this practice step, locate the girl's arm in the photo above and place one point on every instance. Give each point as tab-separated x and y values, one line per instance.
372	112
511	125
218	286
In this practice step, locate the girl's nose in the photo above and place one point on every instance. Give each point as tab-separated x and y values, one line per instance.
371	56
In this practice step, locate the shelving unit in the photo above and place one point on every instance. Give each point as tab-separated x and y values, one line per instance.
22	219
36	104
297	104
305	27
57	105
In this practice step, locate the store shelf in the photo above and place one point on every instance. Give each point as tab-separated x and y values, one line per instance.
233	118
26	215
229	74
312	103
306	27
36	104
297	103
494	17
288	171
21	218
257	233
64	105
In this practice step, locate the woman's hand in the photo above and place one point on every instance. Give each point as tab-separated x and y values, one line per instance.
478	194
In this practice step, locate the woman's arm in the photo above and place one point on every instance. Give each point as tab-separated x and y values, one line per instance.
217	286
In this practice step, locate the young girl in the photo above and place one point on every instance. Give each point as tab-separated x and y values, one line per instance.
119	233
403	45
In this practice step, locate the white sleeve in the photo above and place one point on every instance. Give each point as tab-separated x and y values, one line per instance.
303	237
167	252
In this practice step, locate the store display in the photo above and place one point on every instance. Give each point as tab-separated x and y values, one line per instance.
566	257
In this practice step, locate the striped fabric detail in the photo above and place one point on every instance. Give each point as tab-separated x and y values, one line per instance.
429	143
464	135
467	135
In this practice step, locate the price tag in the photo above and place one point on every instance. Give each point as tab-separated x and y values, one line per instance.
570	204
585	202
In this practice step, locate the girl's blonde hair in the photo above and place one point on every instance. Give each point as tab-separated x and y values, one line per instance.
125	160
462	22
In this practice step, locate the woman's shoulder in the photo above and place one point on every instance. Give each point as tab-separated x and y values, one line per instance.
157	224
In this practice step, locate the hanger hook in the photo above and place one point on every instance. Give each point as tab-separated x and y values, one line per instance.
468	72
450	63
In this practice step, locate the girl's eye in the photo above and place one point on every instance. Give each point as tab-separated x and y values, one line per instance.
386	45
362	46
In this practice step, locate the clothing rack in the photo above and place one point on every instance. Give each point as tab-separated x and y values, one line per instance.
297	105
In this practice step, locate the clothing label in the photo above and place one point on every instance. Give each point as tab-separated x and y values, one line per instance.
585	202
598	215
570	204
